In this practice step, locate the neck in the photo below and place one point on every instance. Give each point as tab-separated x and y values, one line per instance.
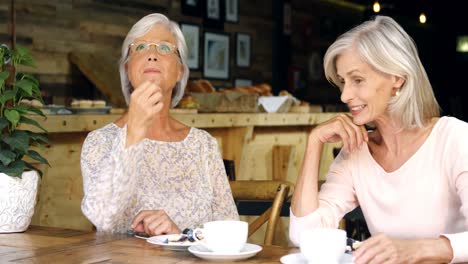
392	136
162	120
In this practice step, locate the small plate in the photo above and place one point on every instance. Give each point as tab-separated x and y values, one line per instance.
298	258
175	246
141	237
90	110
248	251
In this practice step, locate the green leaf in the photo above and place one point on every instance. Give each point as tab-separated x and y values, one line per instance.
18	140
6	156
37	137
15	169
26	86
7	95
30	166
31	78
3	76
32	122
36	111
22	109
13	116
34	155
3	123
24	58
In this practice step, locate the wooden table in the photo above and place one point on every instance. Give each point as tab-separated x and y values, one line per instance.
58	245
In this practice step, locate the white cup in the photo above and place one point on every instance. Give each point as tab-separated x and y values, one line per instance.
323	245
223	236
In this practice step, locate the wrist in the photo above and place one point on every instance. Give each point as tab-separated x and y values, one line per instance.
435	250
313	140
133	136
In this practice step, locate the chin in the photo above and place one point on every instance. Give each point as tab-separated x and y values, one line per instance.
359	121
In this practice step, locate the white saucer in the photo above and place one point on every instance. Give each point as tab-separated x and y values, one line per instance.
248	251
298	258
175	246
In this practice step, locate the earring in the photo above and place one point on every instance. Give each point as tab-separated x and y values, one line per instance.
397	93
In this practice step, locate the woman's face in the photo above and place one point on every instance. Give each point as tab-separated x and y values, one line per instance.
149	65
365	90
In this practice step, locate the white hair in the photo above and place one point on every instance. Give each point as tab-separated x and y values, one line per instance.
143	26
385	46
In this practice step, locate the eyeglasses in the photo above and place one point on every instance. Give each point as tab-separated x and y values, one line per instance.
163	48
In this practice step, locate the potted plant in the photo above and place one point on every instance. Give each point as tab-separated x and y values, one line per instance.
18	178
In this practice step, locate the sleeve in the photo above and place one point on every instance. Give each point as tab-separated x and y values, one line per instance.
108	171
223	206
336	198
459	179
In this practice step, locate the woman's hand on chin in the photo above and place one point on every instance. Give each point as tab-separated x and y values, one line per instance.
154	223
145	102
340	128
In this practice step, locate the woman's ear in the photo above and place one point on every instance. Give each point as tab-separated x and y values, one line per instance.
180	72
398	82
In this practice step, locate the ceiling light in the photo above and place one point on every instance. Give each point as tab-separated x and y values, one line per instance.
376	7
422	18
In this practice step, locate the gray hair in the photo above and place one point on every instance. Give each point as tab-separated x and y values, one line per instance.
143	26
386	47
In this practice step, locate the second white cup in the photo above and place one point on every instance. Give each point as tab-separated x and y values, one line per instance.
323	245
227	236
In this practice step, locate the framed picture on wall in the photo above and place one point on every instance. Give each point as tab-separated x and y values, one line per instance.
192	37
216	55
242	82
232	11
214	13
191	7
243	50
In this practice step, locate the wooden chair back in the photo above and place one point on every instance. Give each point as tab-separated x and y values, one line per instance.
275	191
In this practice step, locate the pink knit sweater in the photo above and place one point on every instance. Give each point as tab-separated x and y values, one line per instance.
425	198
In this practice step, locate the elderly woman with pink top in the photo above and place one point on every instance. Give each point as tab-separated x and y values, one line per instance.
409	173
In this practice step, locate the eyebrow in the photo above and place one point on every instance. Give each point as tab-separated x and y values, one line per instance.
348	73
160	40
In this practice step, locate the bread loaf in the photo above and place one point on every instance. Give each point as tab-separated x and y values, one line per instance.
200	86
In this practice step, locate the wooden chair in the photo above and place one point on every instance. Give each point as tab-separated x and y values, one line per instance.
260	191
276	191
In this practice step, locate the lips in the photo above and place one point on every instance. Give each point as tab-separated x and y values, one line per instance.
357	109
151	70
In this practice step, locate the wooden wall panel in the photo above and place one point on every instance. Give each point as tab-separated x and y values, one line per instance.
52	29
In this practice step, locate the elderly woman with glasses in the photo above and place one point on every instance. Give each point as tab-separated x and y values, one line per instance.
147	171
409	173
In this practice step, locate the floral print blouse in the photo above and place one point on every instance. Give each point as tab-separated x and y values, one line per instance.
186	179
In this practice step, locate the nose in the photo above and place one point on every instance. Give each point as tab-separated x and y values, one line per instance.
346	94
152	55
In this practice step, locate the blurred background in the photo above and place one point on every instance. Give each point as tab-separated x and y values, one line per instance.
77	43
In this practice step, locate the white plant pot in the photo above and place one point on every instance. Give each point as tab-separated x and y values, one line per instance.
17	201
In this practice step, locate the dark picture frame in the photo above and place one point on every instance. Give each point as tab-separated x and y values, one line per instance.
192	7
243	50
214	14
232	11
192	38
216	55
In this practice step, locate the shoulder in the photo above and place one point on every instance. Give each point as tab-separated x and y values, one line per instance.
451	130
105	133
452	125
202	135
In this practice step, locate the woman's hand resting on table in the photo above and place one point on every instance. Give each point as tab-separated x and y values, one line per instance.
154	223
340	128
383	249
